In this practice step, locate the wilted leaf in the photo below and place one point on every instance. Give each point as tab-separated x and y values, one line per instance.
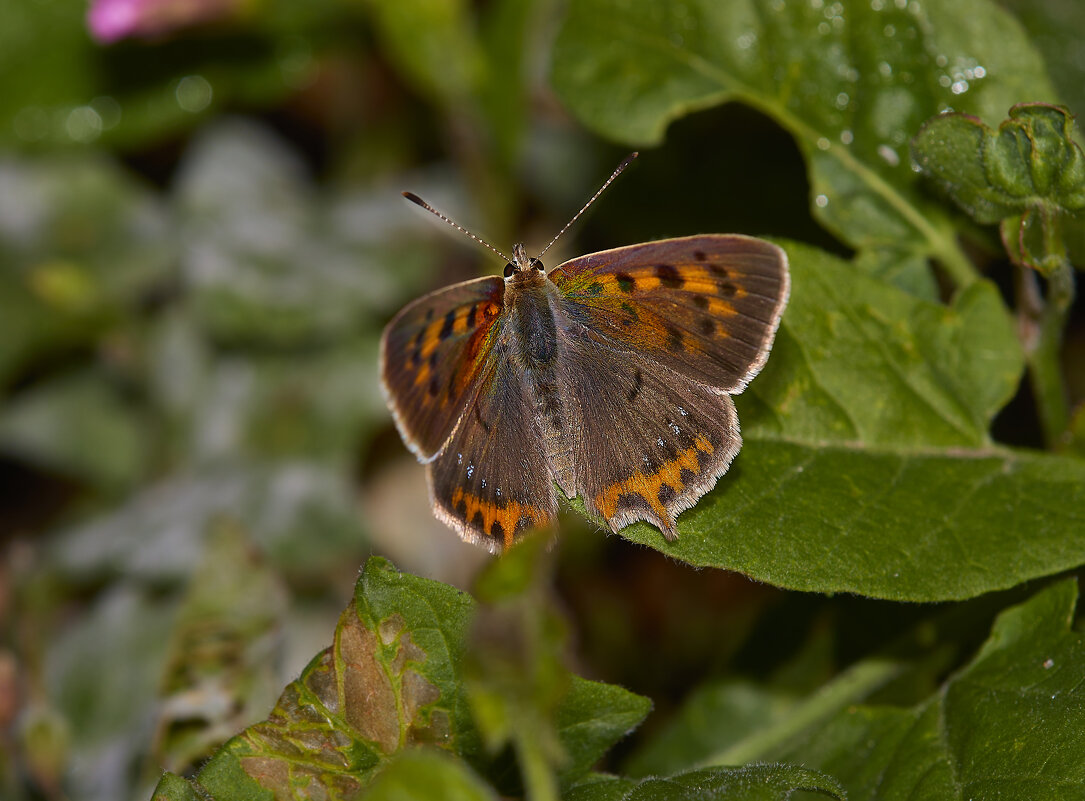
392	680
221	663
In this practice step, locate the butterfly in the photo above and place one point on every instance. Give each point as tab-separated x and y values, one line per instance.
610	377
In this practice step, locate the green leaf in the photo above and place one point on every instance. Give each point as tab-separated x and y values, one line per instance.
392	680
592	717
1029	175
425	774
851	80
713	717
867	467
520	690
1055	26
173	788
80	242
857	360
269	260
901	524
1031	161
434	45
79	426
1011	725
514	674
752	783
133	91
303	515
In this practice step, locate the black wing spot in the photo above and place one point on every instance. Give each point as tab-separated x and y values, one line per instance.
433	360
669	277
700	301
699	255
497	530
708	326
446	329
632	500
626	282
727	289
638	382
478	521
720	270
471	316
461	508
595	288
674	338
666	494
433	389
429	314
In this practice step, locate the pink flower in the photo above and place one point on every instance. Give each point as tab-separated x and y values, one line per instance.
111	20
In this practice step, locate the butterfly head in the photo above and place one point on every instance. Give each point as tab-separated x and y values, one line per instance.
522	264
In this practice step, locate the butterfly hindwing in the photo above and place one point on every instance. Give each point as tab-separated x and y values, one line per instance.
432	354
651	441
491	482
706	306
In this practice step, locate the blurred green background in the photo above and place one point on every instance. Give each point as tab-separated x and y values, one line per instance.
201	238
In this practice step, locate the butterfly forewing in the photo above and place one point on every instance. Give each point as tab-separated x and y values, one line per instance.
432	356
491	482
705	306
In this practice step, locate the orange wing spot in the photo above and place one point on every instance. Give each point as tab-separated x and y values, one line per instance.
647	486
459	324
720	308
699	286
431	338
507	516
422	376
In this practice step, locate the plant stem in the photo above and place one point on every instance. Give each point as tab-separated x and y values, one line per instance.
540	784
1041	321
854	684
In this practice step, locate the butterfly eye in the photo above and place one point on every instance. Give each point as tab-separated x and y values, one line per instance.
509	270
538	265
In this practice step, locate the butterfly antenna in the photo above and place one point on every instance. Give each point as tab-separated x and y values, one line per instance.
411	196
618	171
